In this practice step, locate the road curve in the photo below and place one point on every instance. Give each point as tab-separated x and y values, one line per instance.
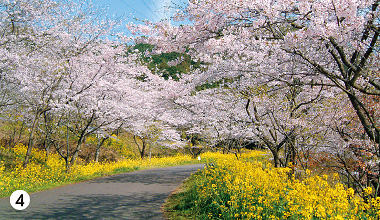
133	195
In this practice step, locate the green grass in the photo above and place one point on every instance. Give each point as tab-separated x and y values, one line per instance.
181	204
125	170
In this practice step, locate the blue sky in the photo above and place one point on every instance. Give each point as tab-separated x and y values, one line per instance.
153	10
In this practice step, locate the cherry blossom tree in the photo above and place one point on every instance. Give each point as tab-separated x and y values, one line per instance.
329	45
57	63
21	39
258	35
156	118
59	36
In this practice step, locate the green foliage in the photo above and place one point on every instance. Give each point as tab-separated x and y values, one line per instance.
212	85
143	47
158	63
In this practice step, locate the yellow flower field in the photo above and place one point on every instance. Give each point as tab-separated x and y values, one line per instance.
248	188
234	189
41	174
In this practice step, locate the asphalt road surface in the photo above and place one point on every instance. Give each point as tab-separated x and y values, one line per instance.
134	195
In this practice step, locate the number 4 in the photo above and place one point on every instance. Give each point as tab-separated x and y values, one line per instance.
20	200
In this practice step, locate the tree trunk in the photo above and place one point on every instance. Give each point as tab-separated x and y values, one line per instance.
30	143
47	150
81	140
48	132
142	153
97	152
31	136
276	158
371	130
68	166
290	151
141	149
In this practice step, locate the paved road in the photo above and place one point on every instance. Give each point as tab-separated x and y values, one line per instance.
134	195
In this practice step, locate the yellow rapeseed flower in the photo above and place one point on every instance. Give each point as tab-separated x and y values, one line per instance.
368	191
253	190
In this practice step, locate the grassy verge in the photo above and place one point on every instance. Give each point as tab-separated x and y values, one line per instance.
237	189
181	203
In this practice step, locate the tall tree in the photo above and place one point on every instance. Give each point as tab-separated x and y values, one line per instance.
328	44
